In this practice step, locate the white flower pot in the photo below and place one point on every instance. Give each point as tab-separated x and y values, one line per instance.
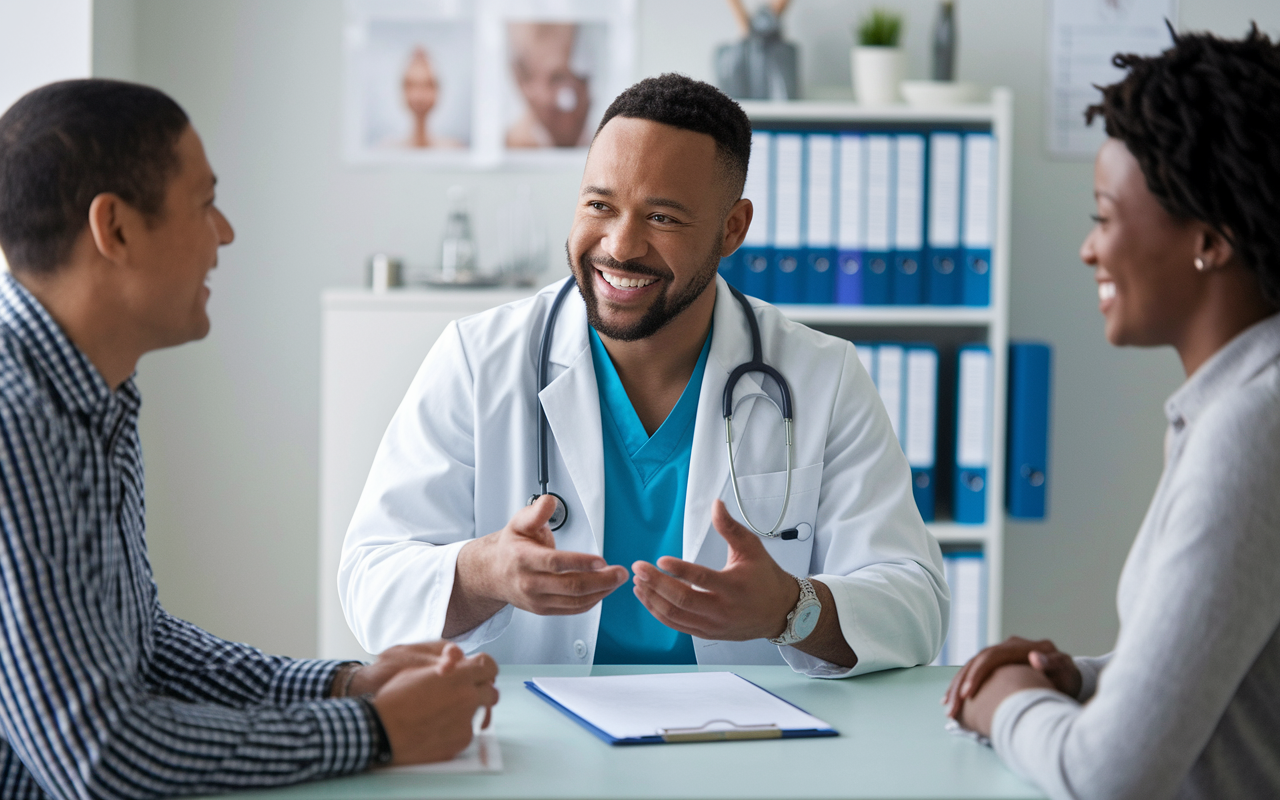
877	72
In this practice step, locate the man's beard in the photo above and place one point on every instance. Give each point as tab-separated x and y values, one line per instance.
663	309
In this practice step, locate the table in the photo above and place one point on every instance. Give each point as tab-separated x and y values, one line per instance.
891	745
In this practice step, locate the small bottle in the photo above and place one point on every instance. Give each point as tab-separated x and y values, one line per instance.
458	250
944	42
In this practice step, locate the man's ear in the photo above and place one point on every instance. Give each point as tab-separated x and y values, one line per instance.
110	222
1213	248
736	224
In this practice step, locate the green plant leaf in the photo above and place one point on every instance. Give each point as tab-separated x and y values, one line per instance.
880	28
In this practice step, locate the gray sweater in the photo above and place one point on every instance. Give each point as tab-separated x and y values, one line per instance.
1188	703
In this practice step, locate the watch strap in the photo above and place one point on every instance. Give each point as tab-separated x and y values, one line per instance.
807	597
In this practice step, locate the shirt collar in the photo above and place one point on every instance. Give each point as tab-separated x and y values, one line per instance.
1234	365
69	372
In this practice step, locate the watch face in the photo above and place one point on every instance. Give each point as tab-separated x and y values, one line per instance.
807	620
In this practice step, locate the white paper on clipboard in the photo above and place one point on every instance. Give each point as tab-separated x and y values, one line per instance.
1083	37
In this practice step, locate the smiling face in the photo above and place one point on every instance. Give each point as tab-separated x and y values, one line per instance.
1142	256
172	256
651	226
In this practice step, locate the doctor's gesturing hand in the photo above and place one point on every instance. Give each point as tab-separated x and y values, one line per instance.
520	565
748	599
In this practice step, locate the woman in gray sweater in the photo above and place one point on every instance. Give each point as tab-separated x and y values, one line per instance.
1186	252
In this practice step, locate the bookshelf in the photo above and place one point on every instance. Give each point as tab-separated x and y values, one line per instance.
947	327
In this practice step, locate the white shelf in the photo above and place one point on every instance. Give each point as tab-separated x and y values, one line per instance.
940	316
836	111
955	533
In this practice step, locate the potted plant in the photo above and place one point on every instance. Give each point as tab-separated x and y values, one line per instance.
879	64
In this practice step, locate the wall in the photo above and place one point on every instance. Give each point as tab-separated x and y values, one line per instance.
230	423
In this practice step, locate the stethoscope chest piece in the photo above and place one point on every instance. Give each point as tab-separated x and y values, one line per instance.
558	517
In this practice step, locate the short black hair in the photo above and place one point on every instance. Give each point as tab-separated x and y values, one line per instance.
65	143
1203	121
681	102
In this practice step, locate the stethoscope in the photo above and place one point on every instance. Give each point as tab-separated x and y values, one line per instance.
756	364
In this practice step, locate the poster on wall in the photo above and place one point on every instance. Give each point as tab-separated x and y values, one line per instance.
452	83
1083	37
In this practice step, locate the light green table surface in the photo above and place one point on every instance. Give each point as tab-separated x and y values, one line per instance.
891	745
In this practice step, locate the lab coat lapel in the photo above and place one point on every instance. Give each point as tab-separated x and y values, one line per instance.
708	460
572	403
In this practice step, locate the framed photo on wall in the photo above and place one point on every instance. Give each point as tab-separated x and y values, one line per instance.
484	83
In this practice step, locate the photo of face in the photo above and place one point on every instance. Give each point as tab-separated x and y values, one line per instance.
414	85
421	91
553	65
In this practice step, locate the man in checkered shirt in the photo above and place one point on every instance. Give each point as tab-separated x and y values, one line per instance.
108	222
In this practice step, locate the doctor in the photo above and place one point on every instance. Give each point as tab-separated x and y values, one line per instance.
445	543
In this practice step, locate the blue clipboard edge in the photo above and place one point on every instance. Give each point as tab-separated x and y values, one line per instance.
807	733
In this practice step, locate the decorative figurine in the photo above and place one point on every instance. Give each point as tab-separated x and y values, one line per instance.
761	66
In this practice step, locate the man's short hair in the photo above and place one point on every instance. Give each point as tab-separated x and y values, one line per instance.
682	102
64	144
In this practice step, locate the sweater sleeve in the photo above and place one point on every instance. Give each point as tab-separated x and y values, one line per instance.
1200	620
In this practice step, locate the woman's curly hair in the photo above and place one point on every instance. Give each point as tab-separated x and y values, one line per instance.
1203	121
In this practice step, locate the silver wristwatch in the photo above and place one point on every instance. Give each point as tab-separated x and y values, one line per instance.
803	618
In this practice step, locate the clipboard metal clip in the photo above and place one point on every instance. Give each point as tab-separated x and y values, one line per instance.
705	732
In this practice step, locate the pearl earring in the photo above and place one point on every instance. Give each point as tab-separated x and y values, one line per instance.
1201	266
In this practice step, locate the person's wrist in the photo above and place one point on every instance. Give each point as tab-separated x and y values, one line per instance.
790	598
475	562
340	684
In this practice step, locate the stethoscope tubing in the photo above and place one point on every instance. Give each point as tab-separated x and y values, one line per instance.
756	364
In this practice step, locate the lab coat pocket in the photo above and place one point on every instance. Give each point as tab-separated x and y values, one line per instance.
762	497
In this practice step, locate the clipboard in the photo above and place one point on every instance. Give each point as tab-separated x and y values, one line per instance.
720	726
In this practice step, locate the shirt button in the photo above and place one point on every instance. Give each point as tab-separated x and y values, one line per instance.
1179	424
580	649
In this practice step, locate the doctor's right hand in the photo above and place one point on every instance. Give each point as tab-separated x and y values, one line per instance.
520	565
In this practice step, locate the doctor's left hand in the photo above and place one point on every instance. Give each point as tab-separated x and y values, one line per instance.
748	599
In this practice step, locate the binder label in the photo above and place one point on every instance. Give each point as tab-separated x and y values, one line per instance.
944	190
820	190
788	157
978	163
972	439
852	192
879	191
756	189
909	206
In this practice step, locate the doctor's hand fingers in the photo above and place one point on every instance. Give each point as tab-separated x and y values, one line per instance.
742	541
558	605
690	605
573	584
531	521
560	561
695	574
672	615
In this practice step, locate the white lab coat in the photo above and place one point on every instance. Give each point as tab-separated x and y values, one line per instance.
458	460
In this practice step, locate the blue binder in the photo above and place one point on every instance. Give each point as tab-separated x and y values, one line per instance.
908	219
756	277
848	288
944	254
973	434
877	261
1030	390
820	276
920	430
730	267
819	260
754	255
788	219
979	217
851	218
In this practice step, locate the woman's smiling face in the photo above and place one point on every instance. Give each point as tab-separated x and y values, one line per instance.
1142	256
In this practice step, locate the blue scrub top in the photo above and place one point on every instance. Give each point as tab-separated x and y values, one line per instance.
645	481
